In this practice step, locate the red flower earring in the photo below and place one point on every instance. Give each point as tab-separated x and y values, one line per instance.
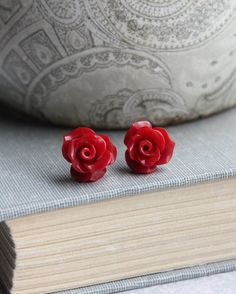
88	153
147	147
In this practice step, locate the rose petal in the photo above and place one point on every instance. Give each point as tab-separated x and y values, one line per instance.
73	153
101	160
77	133
87	177
167	153
80	166
111	148
137	167
151	161
65	148
101	146
100	163
145	147
157	140
87	153
134	129
73	147
132	147
135	154
153	136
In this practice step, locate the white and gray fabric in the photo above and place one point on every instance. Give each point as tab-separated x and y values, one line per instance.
157	279
224	283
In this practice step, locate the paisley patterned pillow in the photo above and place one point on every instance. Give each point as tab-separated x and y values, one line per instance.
106	63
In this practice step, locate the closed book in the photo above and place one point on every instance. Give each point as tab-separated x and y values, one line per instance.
125	231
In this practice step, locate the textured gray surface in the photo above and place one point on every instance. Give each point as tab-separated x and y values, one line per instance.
218	284
157	279
35	178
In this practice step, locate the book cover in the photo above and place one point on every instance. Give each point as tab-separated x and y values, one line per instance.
34	178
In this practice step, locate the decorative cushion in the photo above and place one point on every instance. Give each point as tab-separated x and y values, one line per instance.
106	63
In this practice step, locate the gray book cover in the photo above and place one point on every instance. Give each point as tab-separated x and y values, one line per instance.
35	178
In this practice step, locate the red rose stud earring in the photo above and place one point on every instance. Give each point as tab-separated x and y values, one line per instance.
147	147
88	153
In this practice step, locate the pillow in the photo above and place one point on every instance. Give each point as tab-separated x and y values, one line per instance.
107	63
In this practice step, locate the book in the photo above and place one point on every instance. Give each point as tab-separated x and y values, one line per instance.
124	231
